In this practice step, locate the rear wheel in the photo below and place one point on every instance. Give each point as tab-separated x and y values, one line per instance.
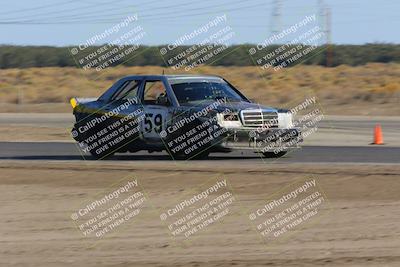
274	155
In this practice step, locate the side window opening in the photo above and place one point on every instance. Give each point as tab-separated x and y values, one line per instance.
155	93
128	90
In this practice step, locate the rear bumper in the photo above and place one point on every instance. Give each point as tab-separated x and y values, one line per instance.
270	140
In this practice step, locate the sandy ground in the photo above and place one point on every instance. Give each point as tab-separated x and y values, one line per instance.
359	227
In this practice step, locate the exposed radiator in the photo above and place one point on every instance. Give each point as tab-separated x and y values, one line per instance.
259	118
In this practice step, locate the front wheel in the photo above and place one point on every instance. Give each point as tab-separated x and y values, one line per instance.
274	155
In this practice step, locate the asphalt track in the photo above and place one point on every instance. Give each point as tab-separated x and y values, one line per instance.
61	151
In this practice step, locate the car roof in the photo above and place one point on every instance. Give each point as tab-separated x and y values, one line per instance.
185	76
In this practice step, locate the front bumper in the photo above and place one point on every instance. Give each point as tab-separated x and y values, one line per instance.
270	140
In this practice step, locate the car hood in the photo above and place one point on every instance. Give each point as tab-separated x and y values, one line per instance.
233	106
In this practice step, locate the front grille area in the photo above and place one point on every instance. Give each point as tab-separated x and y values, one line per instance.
259	118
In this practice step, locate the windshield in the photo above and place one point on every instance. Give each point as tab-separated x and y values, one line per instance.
187	91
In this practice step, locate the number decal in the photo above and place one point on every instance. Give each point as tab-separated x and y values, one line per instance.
158	123
153	122
148	125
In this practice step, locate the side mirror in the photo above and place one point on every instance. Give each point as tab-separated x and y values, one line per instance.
162	100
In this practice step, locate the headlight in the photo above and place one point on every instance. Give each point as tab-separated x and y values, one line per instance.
229	120
285	120
231	117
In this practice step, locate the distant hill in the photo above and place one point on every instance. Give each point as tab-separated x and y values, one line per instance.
237	55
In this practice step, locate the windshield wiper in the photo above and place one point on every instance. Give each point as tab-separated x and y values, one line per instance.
221	98
227	99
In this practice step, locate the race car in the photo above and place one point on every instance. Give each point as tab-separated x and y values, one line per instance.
188	116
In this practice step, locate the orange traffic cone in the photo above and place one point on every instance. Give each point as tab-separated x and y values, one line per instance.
378	137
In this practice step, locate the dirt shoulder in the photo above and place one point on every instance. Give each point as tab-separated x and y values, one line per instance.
359	226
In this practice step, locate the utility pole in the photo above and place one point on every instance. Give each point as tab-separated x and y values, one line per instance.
329	51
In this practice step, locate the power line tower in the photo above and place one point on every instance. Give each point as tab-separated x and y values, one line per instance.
276	17
321	10
329	51
324	14
324	18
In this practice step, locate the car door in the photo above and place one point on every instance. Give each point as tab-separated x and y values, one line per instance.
126	114
156	104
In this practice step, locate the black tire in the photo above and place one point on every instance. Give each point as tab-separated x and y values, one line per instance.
274	155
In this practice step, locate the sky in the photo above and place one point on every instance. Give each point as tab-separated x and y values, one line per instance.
72	22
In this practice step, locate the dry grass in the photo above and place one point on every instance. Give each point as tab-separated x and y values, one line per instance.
344	88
